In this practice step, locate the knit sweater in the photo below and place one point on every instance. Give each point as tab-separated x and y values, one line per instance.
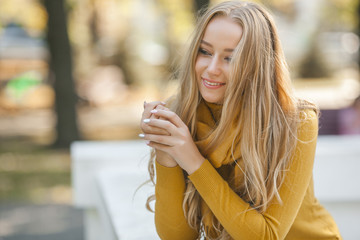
300	216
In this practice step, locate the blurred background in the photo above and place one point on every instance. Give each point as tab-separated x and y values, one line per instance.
81	70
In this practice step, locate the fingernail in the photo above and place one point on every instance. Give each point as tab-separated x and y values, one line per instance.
154	111
147	142
141	135
163	103
146	120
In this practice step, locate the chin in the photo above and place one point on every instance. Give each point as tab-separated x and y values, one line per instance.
211	99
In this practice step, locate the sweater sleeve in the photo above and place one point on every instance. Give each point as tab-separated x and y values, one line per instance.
169	215
239	219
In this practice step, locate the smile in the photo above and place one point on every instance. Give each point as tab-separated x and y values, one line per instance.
212	85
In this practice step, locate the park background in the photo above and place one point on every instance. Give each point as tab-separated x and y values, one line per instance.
81	70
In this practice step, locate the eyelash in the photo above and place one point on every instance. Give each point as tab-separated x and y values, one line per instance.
206	53
228	59
203	51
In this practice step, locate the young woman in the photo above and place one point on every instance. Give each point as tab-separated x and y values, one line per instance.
234	149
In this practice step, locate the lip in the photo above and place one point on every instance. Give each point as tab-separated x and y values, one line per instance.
206	82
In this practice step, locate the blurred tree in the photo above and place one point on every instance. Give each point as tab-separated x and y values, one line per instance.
94	22
200	4
313	65
61	68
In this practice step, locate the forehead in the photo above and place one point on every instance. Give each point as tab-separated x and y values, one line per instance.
222	30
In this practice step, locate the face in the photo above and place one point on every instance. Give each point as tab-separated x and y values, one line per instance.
212	64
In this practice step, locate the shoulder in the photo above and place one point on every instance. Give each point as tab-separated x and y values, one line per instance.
308	124
308	115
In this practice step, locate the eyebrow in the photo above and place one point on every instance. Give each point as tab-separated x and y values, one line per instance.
208	44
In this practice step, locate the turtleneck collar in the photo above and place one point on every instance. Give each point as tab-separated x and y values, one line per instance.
208	115
215	110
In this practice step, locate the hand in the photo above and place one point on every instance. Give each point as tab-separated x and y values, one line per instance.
161	157
179	144
147	114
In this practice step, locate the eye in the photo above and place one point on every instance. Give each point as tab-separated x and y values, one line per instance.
228	59
204	52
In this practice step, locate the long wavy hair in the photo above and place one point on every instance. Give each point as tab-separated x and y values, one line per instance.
259	106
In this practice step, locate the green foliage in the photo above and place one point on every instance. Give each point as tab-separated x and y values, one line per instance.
19	85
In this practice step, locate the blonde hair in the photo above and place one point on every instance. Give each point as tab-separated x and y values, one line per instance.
258	105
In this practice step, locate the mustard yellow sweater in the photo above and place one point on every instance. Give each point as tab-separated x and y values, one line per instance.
300	216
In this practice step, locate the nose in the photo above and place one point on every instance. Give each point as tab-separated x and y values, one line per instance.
214	66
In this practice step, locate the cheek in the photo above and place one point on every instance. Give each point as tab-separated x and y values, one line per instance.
197	66
200	65
227	71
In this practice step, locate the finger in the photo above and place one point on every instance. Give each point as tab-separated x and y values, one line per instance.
163	124
161	139
152	116
162	107
159	107
154	104
150	106
153	130
171	116
158	146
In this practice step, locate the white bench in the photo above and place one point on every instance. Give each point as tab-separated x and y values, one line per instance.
105	176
